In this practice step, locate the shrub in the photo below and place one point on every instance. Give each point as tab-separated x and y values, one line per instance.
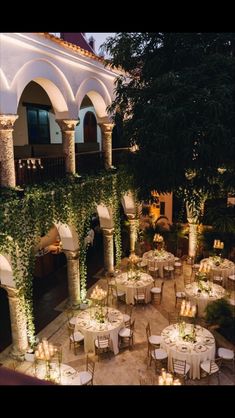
219	312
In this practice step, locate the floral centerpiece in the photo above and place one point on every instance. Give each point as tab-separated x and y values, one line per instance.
189	337
100	315
133	275
216	260
159	253
204	286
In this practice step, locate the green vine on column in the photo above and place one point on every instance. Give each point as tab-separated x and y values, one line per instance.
24	220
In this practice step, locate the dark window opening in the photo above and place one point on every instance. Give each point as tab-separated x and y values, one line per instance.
38	125
162	208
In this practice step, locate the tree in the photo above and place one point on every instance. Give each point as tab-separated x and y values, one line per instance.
176	95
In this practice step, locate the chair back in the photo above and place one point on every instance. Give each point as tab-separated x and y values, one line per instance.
90	366
114	291
187	279
128	310
103	341
132	325
141	294
175	288
71	328
214	364
173	317
148	330
179	366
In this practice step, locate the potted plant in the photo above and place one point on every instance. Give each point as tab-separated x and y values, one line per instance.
29	355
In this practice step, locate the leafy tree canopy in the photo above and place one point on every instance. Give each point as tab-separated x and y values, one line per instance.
176	95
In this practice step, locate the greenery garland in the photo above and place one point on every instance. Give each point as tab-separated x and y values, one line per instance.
23	220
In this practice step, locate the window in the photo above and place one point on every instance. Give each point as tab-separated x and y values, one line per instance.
90	127
162	208
38	124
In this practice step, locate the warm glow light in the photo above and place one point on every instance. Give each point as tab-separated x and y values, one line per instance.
167	379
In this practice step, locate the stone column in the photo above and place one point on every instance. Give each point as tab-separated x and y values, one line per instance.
106	129
67	127
18	324
192	244
108	250
133	234
192	217
7	165
73	277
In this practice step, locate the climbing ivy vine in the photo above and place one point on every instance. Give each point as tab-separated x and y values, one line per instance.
23	220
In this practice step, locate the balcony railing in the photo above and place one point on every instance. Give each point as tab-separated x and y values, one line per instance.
37	170
89	162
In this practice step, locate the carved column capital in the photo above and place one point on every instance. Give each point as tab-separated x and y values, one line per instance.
11	291
71	255
7	122
106	128
67	125
108	231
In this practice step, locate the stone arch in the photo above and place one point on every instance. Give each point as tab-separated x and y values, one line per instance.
67	234
51	79
105	217
6	271
3	81
163	222
128	204
97	93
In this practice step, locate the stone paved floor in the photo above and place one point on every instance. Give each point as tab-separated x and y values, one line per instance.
128	367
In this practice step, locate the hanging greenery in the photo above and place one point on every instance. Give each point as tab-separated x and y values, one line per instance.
23	220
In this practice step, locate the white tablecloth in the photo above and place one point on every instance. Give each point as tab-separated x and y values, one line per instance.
90	328
129	286
225	269
166	259
194	354
202	299
66	375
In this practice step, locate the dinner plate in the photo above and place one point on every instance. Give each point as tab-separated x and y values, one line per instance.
200	348
183	348
208	340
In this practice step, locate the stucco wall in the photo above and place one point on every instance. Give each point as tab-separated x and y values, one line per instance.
34	93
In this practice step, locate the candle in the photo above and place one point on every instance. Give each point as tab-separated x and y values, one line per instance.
161	381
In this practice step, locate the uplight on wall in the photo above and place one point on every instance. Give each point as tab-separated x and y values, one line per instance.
30	163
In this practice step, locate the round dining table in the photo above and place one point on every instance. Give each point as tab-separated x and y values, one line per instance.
193	352
130	285
63	374
161	258
221	267
201	298
90	327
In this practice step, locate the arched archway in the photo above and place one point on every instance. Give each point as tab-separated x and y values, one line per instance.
6	278
90	127
97	93
50	78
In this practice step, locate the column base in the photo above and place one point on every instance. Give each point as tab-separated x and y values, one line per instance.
16	354
72	305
